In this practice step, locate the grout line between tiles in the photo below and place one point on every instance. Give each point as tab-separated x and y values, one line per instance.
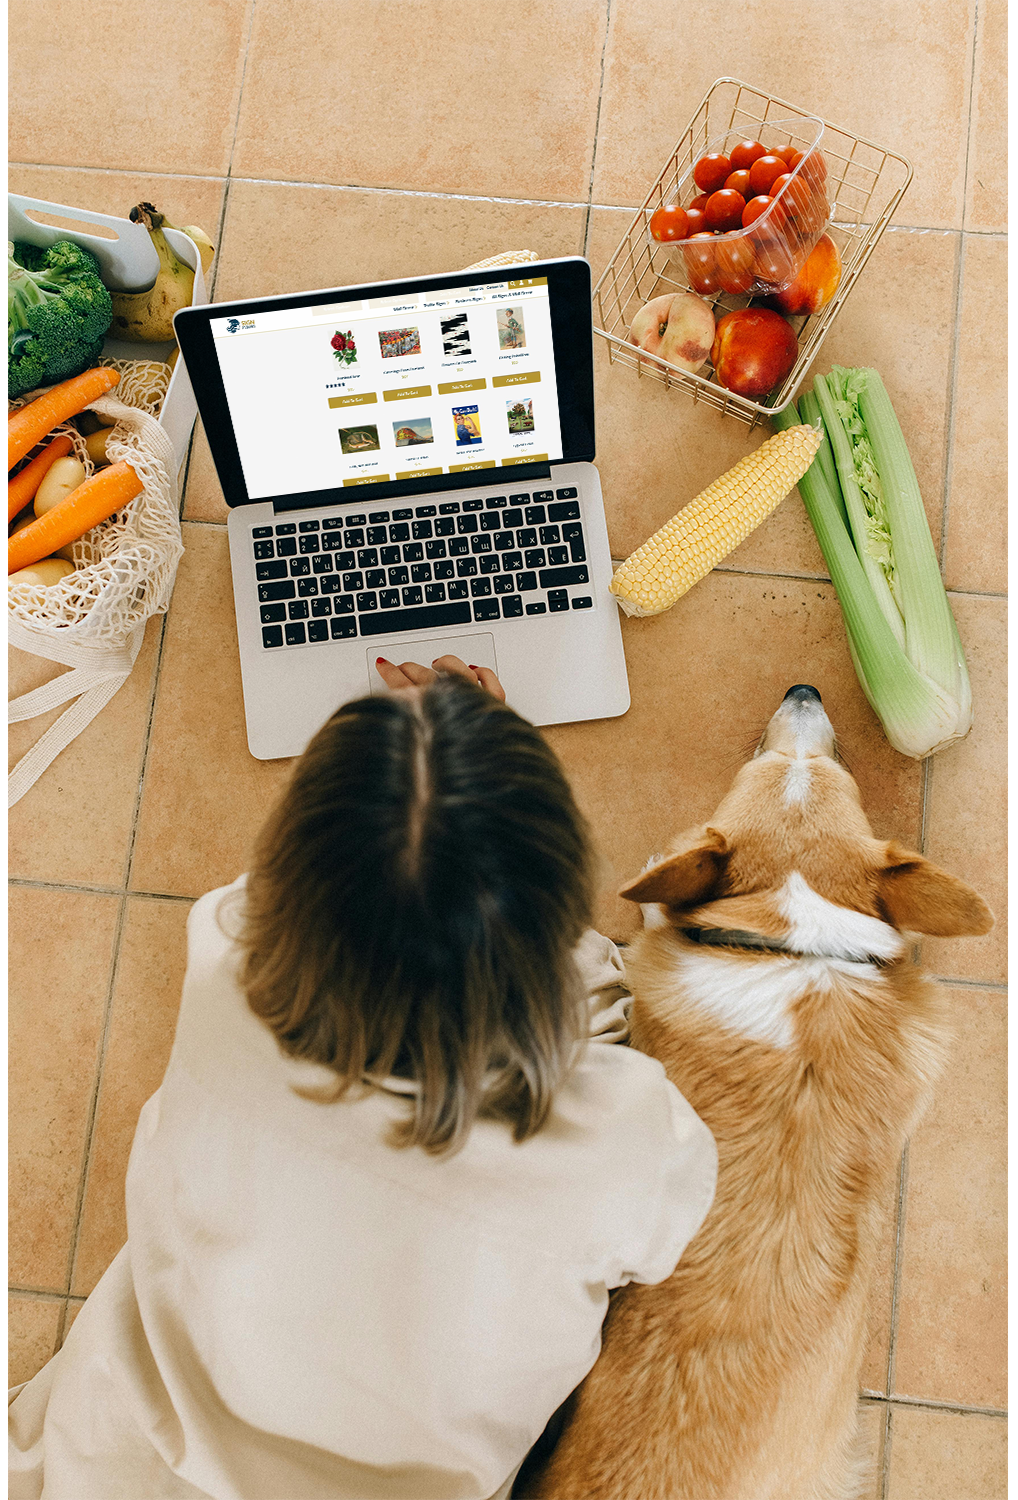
65	885
899	1235
93	1110
959	280
885	1456
958	1408
362	187
972	984
952	394
233	147
36	1294
597	125
146	743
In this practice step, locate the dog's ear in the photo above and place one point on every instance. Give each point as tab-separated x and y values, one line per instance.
920	897
685	879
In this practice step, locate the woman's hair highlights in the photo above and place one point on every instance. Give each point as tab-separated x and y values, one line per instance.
413	905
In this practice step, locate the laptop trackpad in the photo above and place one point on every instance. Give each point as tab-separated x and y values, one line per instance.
475	650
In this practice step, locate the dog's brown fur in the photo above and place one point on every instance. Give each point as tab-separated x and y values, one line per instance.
736	1379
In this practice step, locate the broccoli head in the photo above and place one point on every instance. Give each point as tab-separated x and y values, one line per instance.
58	314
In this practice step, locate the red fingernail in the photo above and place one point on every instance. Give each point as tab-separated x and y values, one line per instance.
378	660
473	667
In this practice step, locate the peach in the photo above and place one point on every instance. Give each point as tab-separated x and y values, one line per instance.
754	349
816	282
677	327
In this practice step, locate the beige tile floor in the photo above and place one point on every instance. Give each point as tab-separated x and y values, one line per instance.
323	143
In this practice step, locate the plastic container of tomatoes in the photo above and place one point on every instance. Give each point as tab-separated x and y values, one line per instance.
749	210
841	185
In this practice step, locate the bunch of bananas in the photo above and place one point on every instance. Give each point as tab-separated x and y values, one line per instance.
146	317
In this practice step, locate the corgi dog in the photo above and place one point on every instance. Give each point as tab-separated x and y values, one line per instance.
774	981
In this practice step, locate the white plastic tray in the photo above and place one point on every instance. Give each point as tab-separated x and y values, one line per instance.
127	263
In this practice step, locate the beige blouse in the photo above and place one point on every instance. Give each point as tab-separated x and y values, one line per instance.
303	1312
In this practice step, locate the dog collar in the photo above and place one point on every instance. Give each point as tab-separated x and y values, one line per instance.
737	937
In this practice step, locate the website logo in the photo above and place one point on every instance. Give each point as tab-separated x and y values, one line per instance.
234	325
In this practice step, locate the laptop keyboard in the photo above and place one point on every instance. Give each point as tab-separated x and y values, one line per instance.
419	568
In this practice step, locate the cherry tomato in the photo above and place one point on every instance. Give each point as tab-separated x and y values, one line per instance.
815	169
754	208
783	151
701	264
724	210
669	223
700	202
797	198
736	264
739	182
696	221
710	172
745	154
763	172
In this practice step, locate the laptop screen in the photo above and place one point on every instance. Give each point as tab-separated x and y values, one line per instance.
387	389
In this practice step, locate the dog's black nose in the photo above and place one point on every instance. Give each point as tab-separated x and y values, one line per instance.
802	691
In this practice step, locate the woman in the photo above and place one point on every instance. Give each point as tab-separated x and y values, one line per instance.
377	1205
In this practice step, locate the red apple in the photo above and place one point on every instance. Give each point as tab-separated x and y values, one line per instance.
816	282
753	351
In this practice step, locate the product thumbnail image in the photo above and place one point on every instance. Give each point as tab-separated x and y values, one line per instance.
468	426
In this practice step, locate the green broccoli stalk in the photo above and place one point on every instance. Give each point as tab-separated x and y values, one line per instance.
58	314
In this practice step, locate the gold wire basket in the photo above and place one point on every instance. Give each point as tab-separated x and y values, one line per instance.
865	183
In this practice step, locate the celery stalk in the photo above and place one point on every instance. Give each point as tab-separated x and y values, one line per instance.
923	706
869	537
932	641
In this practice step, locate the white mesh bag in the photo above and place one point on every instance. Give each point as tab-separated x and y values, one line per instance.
93	621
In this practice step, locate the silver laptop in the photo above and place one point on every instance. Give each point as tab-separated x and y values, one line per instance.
408	469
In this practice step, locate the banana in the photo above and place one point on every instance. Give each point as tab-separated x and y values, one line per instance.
147	317
206	249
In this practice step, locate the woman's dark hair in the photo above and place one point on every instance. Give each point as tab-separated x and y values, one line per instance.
413	905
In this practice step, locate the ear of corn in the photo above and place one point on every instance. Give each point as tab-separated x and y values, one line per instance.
693	542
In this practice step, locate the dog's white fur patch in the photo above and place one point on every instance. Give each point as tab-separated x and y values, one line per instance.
751	996
818	926
797	783
654	914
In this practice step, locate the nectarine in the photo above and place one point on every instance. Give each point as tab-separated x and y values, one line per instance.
753	351
816	282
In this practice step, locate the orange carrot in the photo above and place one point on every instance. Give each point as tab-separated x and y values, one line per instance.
30	424
23	486
93	500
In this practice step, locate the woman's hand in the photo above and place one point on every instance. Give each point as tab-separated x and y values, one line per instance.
412	674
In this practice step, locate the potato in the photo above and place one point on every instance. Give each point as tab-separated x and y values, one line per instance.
49	570
96	445
58	482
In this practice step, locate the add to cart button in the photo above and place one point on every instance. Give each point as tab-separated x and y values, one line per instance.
407	393
528	458
525	377
367	479
485	463
451	387
368	398
415	473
